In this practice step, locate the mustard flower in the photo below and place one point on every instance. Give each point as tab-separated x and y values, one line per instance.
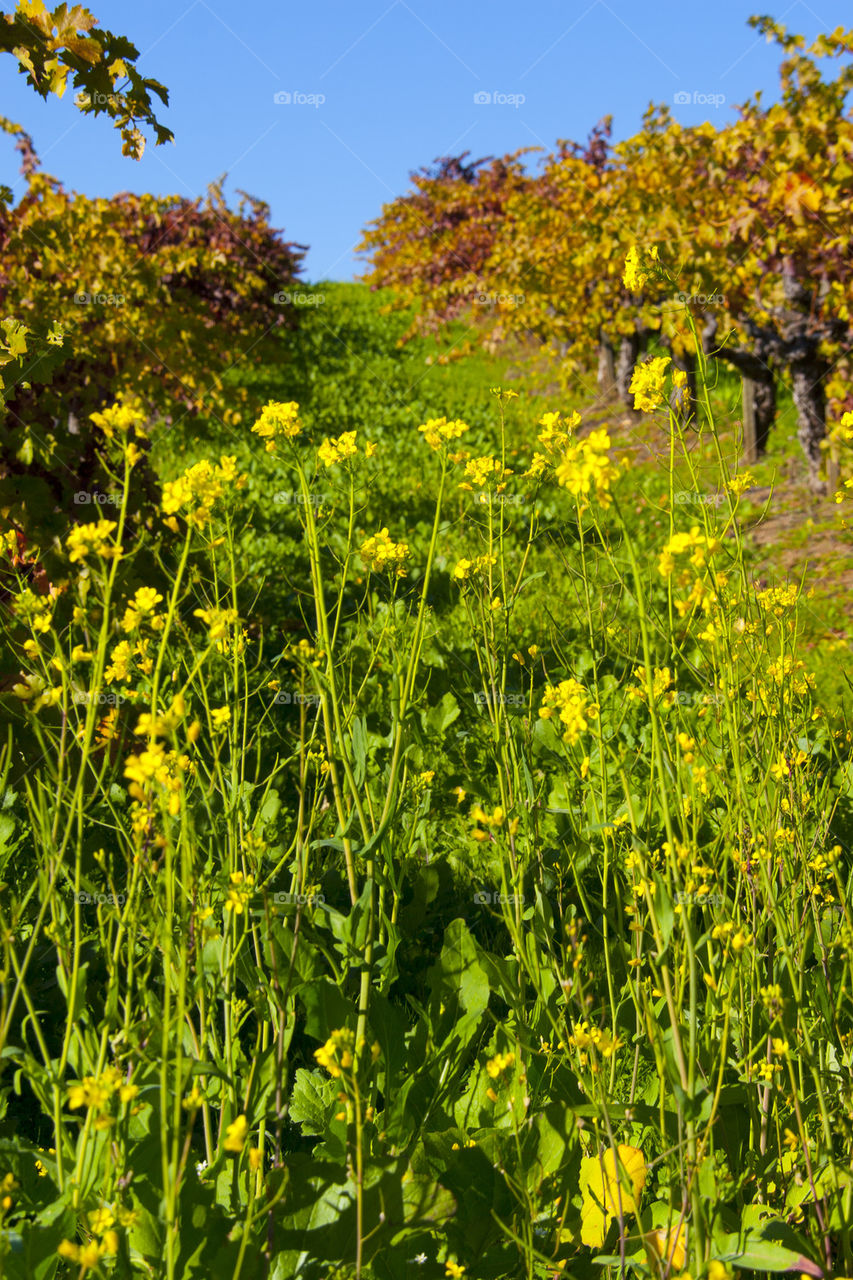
338	1053
141	608
278	421
92	539
438	431
333	451
648	385
586	468
570	700
235	1135
639	268
380	552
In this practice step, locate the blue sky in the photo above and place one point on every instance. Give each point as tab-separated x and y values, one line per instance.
380	87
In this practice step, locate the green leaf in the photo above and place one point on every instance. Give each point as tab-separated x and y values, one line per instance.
312	1101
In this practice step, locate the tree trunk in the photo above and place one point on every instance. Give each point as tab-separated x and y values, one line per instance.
629	354
606	367
802	338
751	365
807	377
764	406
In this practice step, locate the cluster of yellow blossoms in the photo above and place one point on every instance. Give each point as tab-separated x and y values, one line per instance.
240	893
121	418
648	385
465	568
585	1037
337	1055
278	421
485	473
35	690
499	1063
35	610
96	1093
380	552
193	494
343	447
92	539
700	546
438	431
640	268
586	468
571	701
218	623
661	689
157	772
141	609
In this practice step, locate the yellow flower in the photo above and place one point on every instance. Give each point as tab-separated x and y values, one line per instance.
336	1055
380	552
570	699
218	622
438	431
481	473
648	385
121	662
194	493
586	468
92	539
240	892
220	717
144	602
780	769
464	568
637	272
332	451
556	431
604	1197
278	420
738	484
235	1134
497	1065
454	1270
121	418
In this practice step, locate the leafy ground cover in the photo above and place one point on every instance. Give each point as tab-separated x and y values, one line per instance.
425	845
